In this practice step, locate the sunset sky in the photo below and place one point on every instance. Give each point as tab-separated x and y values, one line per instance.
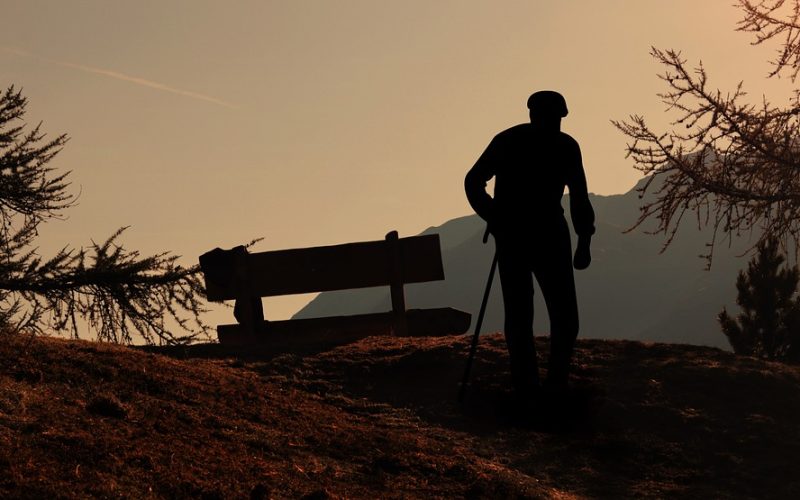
206	123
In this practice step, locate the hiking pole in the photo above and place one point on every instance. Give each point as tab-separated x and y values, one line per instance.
474	345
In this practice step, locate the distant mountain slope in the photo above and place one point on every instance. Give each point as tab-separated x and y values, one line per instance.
631	291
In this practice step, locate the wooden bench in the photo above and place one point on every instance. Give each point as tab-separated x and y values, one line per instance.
244	277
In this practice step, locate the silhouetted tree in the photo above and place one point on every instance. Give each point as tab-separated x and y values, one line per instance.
733	164
115	290
769	324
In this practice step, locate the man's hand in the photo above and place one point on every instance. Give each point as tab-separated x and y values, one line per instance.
493	224
583	256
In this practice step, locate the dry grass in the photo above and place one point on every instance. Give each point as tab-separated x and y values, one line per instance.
377	418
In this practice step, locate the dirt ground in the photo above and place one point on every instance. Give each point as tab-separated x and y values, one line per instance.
379	418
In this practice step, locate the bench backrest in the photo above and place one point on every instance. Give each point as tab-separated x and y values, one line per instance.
338	267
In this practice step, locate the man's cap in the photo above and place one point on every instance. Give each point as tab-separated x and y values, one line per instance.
548	102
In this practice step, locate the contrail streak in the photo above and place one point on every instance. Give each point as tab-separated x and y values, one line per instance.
122	76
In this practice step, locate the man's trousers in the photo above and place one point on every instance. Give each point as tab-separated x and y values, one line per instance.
547	255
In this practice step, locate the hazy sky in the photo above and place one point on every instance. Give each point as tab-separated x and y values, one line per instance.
208	123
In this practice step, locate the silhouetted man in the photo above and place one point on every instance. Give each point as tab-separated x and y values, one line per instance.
532	163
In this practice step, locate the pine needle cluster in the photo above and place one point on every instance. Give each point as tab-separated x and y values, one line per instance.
118	293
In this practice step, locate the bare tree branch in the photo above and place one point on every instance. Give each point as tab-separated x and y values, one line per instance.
775	19
732	163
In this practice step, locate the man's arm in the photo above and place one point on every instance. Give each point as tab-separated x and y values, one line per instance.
580	209
476	179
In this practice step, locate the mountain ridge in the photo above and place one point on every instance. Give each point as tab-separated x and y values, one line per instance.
632	290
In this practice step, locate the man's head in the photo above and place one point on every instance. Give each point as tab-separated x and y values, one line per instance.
547	108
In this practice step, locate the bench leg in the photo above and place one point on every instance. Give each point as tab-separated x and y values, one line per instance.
400	321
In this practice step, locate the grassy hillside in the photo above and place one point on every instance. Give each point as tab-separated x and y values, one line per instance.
378	418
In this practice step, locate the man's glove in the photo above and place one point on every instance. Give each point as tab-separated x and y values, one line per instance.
583	256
